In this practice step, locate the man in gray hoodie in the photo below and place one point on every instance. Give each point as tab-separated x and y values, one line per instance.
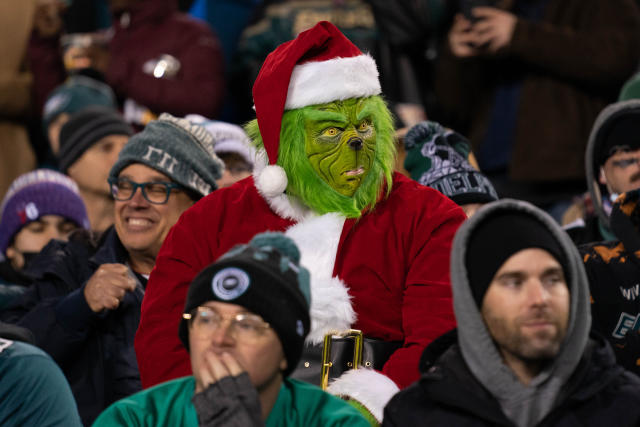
522	355
612	164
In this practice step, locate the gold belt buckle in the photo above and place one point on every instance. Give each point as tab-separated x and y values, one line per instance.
326	353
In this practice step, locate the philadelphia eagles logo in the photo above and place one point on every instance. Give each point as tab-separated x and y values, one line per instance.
229	283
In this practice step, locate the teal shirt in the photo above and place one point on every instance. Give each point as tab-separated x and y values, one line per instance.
169	404
33	389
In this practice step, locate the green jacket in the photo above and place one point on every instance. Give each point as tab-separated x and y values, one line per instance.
169	404
33	390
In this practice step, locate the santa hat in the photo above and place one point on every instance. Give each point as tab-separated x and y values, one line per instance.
320	65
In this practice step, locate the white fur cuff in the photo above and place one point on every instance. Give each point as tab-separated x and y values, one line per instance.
371	388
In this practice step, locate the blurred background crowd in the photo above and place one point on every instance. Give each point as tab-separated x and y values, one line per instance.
536	96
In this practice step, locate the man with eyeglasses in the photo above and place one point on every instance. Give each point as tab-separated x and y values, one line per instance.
613	261
85	308
612	167
244	323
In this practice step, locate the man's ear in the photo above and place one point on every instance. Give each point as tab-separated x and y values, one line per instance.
602	178
283	364
15	258
11	252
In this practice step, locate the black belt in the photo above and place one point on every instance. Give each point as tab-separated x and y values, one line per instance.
375	354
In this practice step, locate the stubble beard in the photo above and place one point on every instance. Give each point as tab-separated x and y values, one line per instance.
532	346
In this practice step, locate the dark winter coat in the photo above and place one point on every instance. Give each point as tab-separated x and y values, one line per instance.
596	227
13	283
573	62
588	230
94	350
599	393
153	28
613	269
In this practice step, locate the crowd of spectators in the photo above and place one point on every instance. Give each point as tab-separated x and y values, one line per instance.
201	198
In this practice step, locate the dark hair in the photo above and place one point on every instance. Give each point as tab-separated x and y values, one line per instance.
192	194
233	160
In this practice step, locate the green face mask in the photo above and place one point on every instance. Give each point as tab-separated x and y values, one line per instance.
340	143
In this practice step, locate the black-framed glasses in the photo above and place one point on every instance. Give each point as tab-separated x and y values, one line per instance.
625	163
123	189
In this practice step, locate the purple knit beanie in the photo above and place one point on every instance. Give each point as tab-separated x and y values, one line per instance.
35	194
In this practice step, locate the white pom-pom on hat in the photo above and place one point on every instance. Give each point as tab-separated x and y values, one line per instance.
272	181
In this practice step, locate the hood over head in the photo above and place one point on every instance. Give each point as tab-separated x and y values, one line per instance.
524	405
598	149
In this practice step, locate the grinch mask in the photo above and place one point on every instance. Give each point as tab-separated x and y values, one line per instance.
338	155
340	143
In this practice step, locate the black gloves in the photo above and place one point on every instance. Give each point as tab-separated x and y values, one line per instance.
230	402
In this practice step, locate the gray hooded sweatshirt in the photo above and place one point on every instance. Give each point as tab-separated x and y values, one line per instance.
596	190
525	405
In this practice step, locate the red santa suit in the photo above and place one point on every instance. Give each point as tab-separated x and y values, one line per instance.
385	273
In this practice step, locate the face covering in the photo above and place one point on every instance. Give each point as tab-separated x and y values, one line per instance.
28	259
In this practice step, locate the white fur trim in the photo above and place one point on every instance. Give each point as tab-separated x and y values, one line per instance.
317	239
272	181
335	79
371	388
280	203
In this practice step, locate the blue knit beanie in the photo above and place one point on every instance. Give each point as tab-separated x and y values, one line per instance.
35	194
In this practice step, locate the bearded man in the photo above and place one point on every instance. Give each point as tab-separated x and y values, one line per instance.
376	243
524	353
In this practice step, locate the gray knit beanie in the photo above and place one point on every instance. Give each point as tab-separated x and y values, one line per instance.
177	148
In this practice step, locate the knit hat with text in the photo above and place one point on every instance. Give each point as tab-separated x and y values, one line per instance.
177	148
442	159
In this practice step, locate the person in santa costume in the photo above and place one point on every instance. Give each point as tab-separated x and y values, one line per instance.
376	243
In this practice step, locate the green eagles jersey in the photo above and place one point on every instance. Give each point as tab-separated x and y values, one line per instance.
169	404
